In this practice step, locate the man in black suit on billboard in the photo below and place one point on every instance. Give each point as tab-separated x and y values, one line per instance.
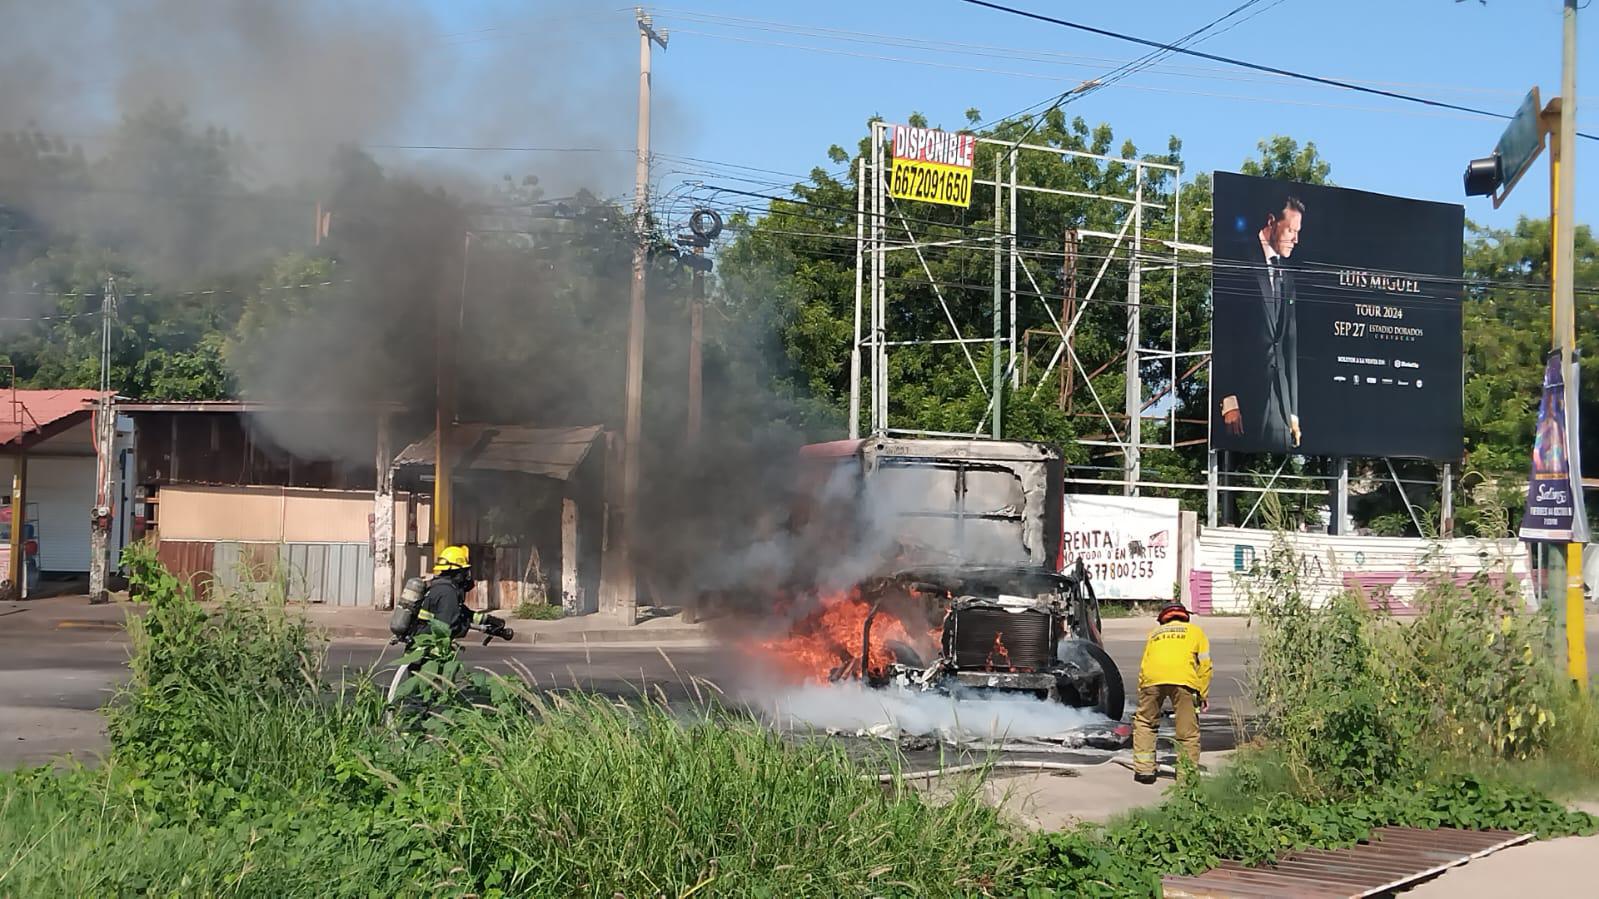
1263	382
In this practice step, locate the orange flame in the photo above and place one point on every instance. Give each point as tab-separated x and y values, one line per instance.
999	656
826	644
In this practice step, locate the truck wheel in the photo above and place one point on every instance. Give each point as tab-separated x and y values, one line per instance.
904	654
1111	699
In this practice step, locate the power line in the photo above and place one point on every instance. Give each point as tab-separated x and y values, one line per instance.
493	149
1222	265
1258	67
992	51
1126	69
166	294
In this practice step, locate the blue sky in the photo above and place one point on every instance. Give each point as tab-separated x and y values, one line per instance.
771	85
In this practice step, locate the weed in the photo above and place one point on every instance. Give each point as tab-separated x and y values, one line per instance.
538	611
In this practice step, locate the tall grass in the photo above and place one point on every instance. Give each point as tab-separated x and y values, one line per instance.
235	771
1350	698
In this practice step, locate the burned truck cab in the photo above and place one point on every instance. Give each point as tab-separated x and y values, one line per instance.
957	547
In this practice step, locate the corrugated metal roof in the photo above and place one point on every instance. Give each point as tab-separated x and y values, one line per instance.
245	406
1392	858
546	452
27	414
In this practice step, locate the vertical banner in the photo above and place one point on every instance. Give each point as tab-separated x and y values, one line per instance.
1552	504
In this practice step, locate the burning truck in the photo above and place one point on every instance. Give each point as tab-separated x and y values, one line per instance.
941	569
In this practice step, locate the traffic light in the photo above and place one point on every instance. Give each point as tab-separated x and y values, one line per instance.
1483	176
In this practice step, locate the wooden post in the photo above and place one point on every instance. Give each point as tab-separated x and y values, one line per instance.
19	523
105	435
571	589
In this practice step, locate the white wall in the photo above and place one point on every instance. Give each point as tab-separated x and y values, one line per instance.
1382	567
60	494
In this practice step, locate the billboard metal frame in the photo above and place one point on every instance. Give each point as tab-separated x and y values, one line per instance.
882	227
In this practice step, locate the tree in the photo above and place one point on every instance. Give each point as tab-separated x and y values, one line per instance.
792	272
1282	157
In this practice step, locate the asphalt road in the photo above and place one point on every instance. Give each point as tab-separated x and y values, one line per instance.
53	682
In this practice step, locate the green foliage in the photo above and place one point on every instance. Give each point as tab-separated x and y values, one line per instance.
146	574
1282	157
1314	681
185	657
235	769
1473	670
538	611
1351	698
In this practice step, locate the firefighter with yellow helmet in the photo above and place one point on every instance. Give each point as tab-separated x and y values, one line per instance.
1176	669
445	598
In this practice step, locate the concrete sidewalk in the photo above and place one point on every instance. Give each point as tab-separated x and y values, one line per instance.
68	613
1547	868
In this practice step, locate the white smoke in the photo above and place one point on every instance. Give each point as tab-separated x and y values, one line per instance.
853	708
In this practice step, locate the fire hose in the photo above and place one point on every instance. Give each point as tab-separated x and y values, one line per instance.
1020	765
1123	759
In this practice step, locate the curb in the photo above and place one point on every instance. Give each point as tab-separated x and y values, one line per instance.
604	636
88	624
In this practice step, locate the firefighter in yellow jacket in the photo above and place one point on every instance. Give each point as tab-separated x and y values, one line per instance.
1176	667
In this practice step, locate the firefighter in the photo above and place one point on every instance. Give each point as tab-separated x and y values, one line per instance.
1176	667
445	598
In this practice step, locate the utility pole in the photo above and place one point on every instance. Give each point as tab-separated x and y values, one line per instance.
705	226
696	337
442	520
105	432
625	600
383	515
1563	217
1494	176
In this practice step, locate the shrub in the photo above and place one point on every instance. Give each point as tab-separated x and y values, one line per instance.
1353	698
540	611
1317	686
1474	671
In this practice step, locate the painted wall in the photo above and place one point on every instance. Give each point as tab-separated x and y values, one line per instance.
1387	570
269	514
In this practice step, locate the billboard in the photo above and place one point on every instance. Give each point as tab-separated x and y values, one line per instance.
932	166
1128	543
1335	324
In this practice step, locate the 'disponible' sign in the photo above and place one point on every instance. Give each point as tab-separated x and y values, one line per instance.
932	166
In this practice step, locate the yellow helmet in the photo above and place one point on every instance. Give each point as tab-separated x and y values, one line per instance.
452	558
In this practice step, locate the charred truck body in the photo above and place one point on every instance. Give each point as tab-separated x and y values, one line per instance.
964	542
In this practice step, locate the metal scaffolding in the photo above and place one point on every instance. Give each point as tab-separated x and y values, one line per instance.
1152	257
1141	248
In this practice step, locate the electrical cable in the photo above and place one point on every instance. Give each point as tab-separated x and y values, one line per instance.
982	233
1122	72
1259	67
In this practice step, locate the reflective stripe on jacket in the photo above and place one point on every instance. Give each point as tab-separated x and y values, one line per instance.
1176	653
